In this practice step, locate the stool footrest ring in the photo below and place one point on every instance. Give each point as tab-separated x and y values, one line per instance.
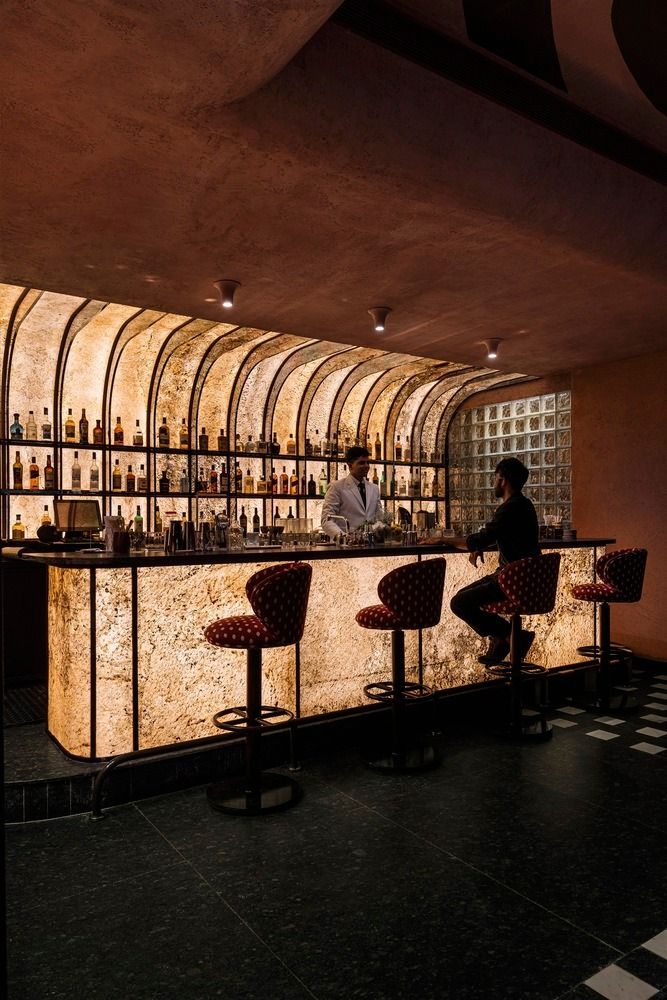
386	691
504	669
239	721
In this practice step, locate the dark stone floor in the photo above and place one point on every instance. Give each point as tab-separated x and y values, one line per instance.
510	873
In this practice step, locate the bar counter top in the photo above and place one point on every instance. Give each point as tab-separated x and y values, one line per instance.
86	559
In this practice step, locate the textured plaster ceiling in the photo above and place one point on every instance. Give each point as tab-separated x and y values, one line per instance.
151	148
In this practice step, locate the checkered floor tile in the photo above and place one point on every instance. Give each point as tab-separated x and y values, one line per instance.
638	975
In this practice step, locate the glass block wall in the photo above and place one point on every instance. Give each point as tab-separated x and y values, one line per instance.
537	430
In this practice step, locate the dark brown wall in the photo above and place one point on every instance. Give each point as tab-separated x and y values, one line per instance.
619	487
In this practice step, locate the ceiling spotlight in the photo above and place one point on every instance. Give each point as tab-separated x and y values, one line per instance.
227	288
379	314
491	348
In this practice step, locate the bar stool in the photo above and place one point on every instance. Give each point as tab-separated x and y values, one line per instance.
530	585
411	599
621	576
279	597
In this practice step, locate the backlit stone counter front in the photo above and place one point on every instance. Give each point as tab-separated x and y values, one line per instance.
129	667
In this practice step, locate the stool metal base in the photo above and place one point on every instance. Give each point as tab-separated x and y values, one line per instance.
535	728
619	701
409	761
236	798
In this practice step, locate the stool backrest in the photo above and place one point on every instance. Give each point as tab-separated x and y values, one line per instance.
624	571
414	592
280	600
532	583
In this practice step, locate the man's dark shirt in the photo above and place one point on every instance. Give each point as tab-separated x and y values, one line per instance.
514	529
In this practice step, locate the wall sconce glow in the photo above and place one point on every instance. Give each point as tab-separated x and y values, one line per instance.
379	314
491	348
227	287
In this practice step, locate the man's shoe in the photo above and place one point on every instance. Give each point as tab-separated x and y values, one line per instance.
525	642
496	653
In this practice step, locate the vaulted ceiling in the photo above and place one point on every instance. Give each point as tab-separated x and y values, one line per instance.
485	170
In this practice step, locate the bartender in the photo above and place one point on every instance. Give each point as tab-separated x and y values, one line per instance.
353	498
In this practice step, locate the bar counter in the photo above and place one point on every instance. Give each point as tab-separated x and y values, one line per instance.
129	667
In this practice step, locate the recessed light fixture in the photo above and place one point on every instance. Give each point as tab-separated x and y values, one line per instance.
227	287
491	348
379	314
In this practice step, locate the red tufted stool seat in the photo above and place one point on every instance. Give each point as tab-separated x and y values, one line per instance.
411	599
279	597
530	587
621	580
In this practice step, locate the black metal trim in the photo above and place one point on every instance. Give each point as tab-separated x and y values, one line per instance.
135	659
93	663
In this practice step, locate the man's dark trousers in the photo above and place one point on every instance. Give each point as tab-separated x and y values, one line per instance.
467	604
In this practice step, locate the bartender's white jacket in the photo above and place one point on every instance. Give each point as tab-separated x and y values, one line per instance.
344	499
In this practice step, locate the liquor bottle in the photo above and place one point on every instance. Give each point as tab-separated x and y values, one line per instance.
308	447
434	485
33	474
202	481
98	433
341	447
334	445
164	485
294	483
424	485
18	530
116	477
255	521
375	476
184	482
49	474
158	519
46	517
250	444
377	447
130	480
317	444
94	482
261	483
284	481
17	470
398	449
326	445
243	521
163	434
213	479
70	427
291	446
303	482
223	443
203	440
118	433
262	445
290	515
138	522
324	482
383	484
274	480
392	483
406	449
249	482
223	481
312	486
83	428
46	425
31	427
76	473
16	430
138	436
121	519
275	445
238	479
416	485
183	435
276	515
142	482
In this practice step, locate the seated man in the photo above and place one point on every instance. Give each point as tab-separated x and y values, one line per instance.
354	497
514	529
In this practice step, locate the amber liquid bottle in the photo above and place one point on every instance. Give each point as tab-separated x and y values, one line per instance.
49	475
163	434
138	436
98	433
18	530
116	478
183	435
70	427
274	480
130	480
83	428
378	448
34	474
284	481
17	470
118	434
294	483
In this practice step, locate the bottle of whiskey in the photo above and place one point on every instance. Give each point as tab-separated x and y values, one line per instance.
33	473
398	449
243	521
255	521
164	484
324	482
17	470
223	480
138	522
312	486
213	480
142	482
121	519
138	436
16	430
303	482
202	481
223	443
130	480
184	482
116	477
275	444
49	474
83	428
377	447
261	483
183	435
274	480
203	440
118	433
406	450
70	427
326	445
76	473
375	476
158	519
249	482
250	444
46	425
46	517
284	481
262	446
294	483
308	447
291	446
18	530
31	427
383	484
392	483
238	479
98	433
163	434
94	481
